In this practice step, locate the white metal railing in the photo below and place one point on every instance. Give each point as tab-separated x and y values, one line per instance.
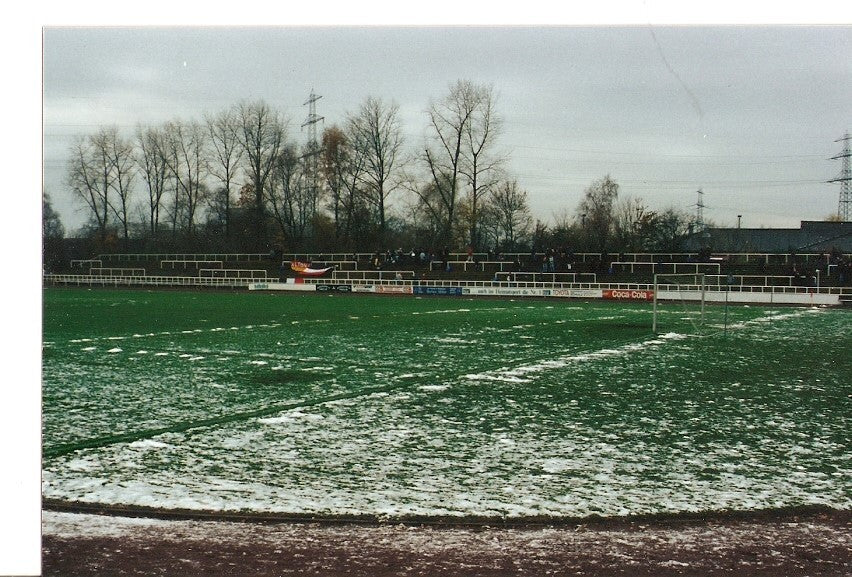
158	256
86	261
685	257
172	263
154	280
341	265
581	285
475	265
695	267
508	257
543	276
473	283
843	291
328	256
749	280
101	271
371	275
245	273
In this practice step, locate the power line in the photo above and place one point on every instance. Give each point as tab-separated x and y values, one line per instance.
609	151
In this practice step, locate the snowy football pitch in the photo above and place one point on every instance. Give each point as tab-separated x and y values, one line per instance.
435	406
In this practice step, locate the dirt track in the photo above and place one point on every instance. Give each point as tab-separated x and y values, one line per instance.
791	544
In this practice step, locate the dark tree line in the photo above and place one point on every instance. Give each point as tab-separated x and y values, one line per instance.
238	180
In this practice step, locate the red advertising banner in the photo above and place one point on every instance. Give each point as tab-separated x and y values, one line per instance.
628	295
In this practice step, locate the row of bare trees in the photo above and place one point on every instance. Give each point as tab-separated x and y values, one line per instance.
239	174
606	221
238	177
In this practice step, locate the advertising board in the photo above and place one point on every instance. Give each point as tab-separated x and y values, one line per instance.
438	290
396	290
335	288
503	292
628	294
279	286
576	293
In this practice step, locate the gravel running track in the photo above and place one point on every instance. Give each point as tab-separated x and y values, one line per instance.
790	544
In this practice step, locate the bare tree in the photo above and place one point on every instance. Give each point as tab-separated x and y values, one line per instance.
51	224
343	167
82	179
481	166
223	130
286	195
334	159
507	215
313	189
664	231
358	222
120	155
188	166
262	136
428	214
52	233
90	177
444	155
628	215
154	166
597	207
377	136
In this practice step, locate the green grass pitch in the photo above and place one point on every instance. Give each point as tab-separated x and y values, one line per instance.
404	406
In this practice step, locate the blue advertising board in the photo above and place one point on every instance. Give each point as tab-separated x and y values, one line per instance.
438	290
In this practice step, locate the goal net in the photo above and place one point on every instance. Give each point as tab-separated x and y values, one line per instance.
680	303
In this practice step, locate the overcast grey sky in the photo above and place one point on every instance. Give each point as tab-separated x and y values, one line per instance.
748	114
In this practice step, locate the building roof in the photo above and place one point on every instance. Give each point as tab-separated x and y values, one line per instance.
810	237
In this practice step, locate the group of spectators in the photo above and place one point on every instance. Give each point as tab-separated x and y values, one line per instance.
414	258
550	260
834	267
842	264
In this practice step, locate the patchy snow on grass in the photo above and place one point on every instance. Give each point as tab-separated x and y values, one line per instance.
605	419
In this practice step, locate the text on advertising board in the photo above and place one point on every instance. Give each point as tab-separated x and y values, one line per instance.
628	294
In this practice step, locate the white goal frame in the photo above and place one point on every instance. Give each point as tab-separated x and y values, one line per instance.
701	277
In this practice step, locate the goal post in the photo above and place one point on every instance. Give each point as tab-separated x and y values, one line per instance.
682	287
